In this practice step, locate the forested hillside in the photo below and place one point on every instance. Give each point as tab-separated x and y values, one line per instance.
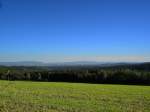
116	74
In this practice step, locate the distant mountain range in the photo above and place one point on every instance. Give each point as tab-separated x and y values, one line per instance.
78	63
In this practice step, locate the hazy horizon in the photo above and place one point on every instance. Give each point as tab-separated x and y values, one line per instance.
105	59
75	30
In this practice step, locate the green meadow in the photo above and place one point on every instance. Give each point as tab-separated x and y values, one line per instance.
24	96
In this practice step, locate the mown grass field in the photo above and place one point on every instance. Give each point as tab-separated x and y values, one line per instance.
20	96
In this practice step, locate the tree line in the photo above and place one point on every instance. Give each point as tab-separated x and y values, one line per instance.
110	75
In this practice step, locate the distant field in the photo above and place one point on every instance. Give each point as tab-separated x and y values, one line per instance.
19	96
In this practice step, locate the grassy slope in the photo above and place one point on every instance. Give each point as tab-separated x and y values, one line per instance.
72	97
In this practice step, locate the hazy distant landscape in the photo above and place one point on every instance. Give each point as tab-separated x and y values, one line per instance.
113	73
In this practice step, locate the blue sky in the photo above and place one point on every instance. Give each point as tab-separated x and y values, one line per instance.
75	30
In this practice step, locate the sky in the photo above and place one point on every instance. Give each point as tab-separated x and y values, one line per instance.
75	30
